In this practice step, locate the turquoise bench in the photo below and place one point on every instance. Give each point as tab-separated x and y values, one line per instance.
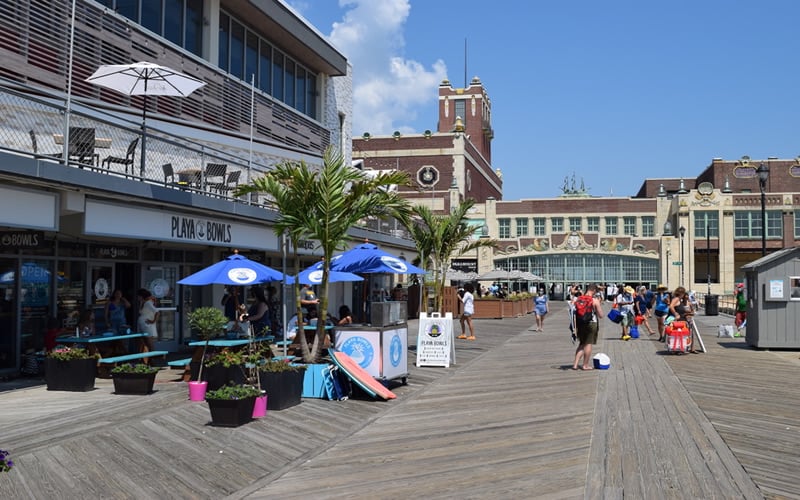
131	357
284	358
283	343
179	363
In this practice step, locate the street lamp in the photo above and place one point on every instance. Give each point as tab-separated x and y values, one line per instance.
682	230
708	258
763	175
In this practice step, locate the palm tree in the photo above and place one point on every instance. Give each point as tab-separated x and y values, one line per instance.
322	204
442	238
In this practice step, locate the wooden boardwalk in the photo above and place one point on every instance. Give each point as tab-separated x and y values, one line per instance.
509	420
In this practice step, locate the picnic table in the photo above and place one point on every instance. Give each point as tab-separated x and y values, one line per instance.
94	341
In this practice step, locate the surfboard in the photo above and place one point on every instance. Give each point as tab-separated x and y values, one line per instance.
359	376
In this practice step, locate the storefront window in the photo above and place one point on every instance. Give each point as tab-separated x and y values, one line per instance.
71	296
8	316
35	302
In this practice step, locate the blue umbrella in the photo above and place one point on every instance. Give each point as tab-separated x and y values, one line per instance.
367	258
313	276
234	270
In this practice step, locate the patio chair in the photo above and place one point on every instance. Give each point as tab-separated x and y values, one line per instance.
128	160
231	183
81	146
214	174
35	146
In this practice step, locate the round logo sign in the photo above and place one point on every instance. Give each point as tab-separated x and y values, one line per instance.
360	350
159	288
242	275
315	277
434	330
101	289
395	263
395	350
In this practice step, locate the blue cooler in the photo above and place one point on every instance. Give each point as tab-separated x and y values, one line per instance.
615	316
601	361
634	332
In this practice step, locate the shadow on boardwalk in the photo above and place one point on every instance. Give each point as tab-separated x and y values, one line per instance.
509	420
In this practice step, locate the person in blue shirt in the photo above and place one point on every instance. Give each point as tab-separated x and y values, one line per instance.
542	307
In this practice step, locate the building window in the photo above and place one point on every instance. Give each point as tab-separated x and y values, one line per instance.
648	226
557	224
611	225
747	224
522	226
460	107
704	219
244	53
504	228
797	224
593	224
539	226
575	224
629	226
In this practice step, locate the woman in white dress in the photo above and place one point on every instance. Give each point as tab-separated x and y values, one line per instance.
148	317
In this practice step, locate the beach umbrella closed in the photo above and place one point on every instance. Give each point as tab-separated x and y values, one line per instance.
233	270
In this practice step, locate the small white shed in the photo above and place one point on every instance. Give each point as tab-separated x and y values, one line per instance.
773	300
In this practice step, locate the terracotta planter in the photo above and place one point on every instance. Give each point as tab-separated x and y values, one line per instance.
231	412
284	389
73	375
486	309
133	383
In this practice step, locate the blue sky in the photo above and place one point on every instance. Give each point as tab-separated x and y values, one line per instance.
611	91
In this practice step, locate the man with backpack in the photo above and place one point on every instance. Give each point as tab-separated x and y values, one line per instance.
587	312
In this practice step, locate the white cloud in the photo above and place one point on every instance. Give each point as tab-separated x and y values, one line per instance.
388	88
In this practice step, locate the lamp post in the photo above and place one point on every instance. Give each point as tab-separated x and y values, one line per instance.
708	258
763	175
682	230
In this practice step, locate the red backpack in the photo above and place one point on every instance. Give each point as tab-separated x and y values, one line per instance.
584	309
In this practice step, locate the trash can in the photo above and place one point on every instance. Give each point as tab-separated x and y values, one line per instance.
712	305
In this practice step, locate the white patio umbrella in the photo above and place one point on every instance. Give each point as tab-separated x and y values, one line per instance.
144	78
496	274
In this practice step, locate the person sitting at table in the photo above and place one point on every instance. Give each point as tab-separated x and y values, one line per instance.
86	324
148	318
345	316
258	314
232	299
115	312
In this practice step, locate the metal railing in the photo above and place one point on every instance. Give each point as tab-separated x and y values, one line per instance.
106	144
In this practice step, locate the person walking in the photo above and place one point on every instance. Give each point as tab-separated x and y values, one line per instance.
624	303
468	300
741	306
661	309
641	307
542	307
587	326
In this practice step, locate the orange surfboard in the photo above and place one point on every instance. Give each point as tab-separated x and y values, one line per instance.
359	376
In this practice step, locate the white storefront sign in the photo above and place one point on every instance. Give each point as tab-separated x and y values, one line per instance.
435	346
111	219
21	207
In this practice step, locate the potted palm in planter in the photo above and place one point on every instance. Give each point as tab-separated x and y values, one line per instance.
208	321
283	382
232	405
130	378
70	369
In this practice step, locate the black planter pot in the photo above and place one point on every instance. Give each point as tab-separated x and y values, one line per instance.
73	375
284	389
218	375
231	412
133	383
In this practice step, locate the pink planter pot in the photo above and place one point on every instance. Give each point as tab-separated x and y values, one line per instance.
260	408
197	391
